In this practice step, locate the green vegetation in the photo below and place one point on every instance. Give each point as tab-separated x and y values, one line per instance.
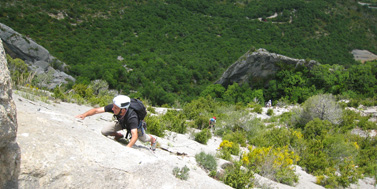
321	146
237	177
207	161
173	49
181	173
203	136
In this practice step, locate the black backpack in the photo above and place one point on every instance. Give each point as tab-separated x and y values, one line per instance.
139	108
141	112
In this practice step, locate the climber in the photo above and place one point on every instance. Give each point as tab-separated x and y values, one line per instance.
127	118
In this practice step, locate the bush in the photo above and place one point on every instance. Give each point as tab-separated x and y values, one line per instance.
151	109
367	152
321	106
349	120
227	148
154	126
316	129
258	109
237	137
274	163
83	90
182	173
314	159
58	94
203	136
201	122
275	137
237	177
270	112
207	161
341	178
174	121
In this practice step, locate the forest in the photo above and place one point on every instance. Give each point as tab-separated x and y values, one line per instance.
171	50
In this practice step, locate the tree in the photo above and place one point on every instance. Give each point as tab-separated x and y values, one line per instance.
215	91
322	106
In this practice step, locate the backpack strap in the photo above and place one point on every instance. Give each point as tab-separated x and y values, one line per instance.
138	127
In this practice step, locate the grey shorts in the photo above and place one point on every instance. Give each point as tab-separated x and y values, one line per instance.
143	136
112	128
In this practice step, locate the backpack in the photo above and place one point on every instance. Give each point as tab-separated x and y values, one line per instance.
139	108
141	112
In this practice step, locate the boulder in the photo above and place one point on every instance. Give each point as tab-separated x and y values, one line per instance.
9	149
257	65
35	56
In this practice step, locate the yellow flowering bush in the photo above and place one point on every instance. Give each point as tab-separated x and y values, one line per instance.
228	148
275	163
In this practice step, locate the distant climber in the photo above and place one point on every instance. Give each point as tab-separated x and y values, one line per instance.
212	123
269	103
127	118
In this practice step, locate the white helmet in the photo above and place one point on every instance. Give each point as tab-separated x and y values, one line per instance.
122	101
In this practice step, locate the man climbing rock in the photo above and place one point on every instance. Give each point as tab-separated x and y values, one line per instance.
127	118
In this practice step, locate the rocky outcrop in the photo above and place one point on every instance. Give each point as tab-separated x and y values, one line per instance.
258	65
35	56
9	149
363	55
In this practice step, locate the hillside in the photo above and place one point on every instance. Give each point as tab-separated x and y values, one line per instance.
59	151
169	50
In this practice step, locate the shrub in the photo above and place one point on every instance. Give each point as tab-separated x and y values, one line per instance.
365	124
100	100
207	161
203	136
274	163
237	177
174	121
200	106
258	109
99	86
201	122
314	159
58	94
367	152
83	90
321	106
349	120
154	126
274	137
227	148
270	112
338	148
181	173
19	71
341	178
151	109
316	129
237	137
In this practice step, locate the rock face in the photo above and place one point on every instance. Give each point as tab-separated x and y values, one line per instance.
59	151
35	56
363	55
257	65
9	149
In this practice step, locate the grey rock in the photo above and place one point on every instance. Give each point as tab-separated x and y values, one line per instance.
35	56
260	64
363	55
9	149
62	152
